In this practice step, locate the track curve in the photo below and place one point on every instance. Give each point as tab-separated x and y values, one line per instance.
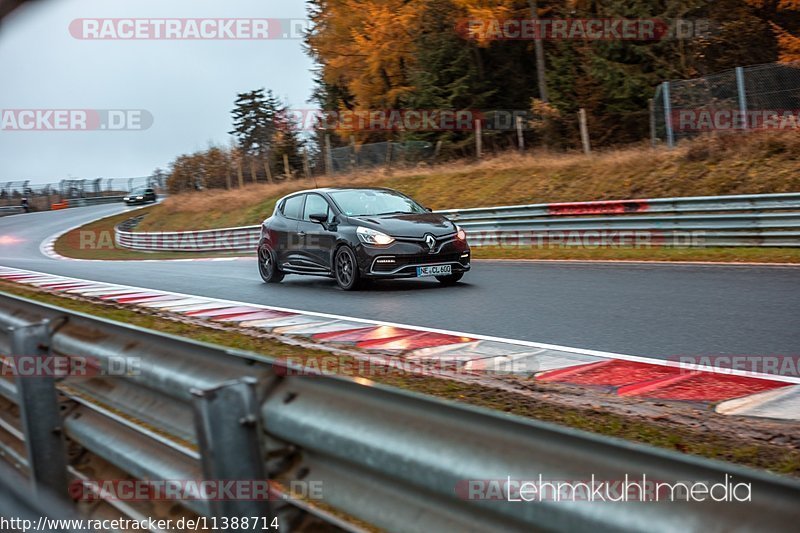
653	310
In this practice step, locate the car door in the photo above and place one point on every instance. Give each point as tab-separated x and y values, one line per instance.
318	241
283	230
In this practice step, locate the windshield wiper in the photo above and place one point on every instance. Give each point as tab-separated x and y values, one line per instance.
394	213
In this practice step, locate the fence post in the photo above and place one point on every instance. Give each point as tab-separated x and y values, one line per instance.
353	156
267	168
651	107
39	413
437	149
389	153
668	115
742	96
328	155
229	434
587	147
520	137
286	170
478	140
306	165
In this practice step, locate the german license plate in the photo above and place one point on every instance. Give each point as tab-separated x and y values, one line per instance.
435	270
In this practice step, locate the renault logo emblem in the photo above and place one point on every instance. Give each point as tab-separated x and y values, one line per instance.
430	240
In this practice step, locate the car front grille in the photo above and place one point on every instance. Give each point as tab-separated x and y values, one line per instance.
407	260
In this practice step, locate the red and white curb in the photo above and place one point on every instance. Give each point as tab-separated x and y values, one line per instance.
731	391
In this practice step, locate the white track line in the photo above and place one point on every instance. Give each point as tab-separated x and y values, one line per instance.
640	262
531	344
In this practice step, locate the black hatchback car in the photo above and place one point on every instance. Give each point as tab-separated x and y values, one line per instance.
140	196
353	234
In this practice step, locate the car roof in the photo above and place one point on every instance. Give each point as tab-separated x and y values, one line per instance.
335	189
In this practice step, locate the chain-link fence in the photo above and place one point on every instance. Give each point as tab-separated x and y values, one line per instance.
742	99
349	158
40	196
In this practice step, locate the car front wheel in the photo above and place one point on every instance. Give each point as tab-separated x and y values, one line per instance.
452	279
346	266
267	266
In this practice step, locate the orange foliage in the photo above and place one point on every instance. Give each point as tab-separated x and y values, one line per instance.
367	45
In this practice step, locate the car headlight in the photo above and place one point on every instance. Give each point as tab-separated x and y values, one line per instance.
140	197
461	235
126	198
371	236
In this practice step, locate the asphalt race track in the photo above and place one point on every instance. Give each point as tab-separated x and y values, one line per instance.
650	310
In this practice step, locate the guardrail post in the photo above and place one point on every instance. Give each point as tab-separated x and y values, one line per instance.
39	412
229	434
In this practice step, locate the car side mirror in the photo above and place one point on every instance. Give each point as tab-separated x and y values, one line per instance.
429	210
319	218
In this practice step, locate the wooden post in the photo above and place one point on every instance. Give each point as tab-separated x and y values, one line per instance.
328	155
267	169
228	178
652	108
437	150
587	148
389	153
353	157
253	171
239	171
286	171
520	138
306	166
478	140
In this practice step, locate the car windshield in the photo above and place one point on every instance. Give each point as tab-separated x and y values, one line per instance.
137	191
369	202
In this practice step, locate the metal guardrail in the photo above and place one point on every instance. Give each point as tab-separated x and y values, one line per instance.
10	210
740	220
72	202
18	500
95	200
390	458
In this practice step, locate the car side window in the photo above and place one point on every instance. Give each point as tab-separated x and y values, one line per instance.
293	207
316	204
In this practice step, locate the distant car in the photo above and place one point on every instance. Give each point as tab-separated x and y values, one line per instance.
353	234
140	196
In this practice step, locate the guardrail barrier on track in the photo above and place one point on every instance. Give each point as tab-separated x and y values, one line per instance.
387	458
742	220
10	210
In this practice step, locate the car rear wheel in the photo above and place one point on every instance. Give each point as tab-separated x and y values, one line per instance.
267	266
452	279
346	266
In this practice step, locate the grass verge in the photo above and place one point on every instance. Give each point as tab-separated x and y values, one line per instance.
762	162
707	434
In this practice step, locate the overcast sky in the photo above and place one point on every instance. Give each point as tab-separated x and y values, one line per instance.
187	85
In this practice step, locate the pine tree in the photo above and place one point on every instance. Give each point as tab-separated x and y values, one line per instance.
253	121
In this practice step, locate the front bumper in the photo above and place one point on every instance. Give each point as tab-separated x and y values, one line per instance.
401	258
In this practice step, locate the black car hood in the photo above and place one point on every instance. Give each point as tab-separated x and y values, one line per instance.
414	225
